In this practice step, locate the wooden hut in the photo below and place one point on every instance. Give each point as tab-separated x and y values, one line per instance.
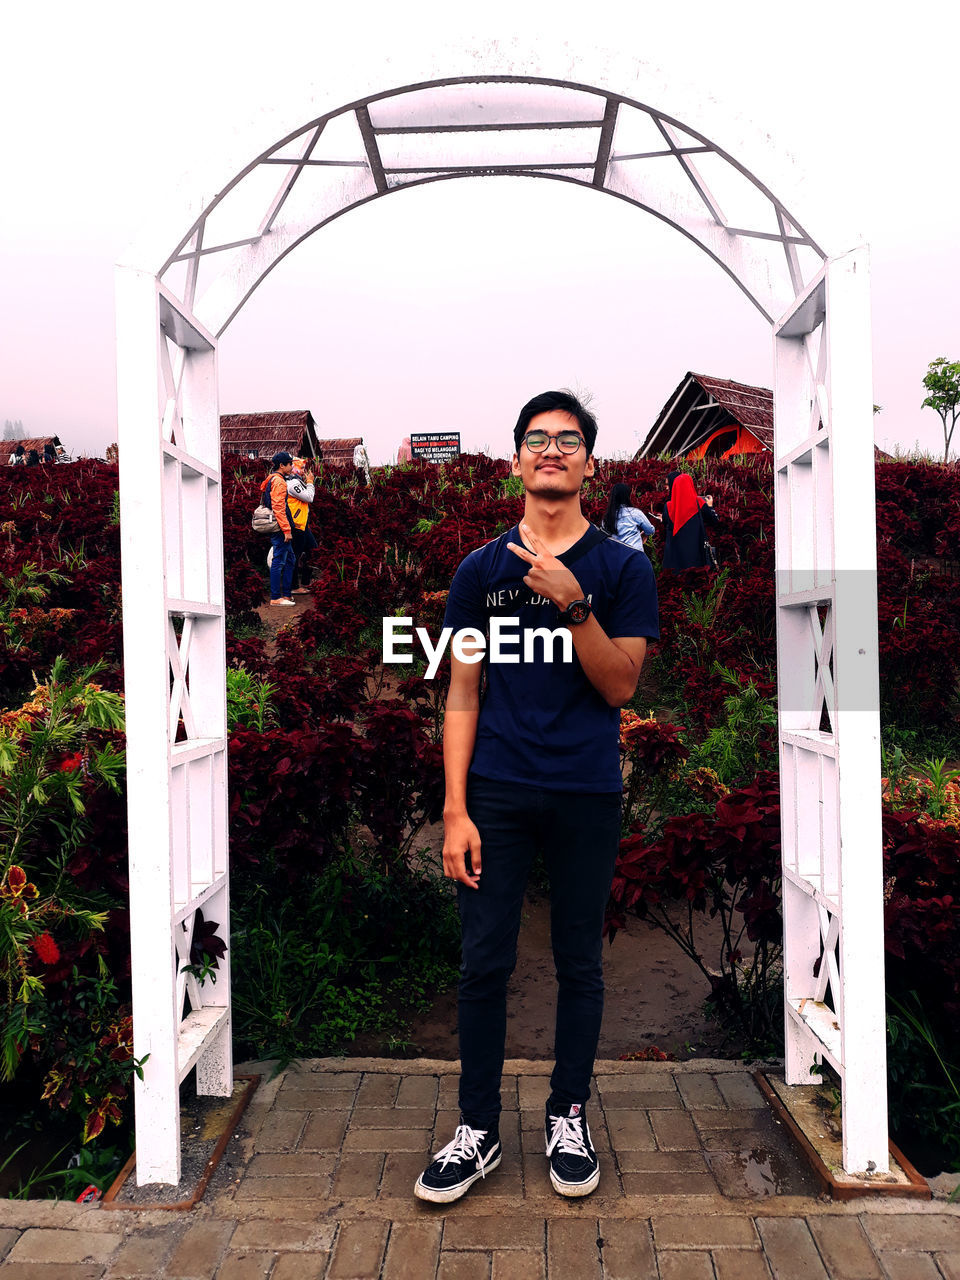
712	418
261	435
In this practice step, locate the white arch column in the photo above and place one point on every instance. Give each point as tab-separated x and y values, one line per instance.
174	663
829	709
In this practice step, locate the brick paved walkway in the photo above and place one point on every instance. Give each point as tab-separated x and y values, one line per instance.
698	1183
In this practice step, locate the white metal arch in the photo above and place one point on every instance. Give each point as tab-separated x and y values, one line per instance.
171	313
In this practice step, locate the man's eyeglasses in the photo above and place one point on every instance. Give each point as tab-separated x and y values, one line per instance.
567	441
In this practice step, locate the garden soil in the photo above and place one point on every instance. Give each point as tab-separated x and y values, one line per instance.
654	997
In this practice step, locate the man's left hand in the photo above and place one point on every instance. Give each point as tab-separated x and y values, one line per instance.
547	576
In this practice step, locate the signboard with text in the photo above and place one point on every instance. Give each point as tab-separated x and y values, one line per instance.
437	446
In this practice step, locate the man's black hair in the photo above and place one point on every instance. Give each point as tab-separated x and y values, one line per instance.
546	402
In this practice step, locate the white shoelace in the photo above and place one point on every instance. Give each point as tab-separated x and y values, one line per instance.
568	1136
465	1146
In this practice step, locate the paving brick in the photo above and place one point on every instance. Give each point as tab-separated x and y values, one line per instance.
685	1231
700	1091
740	1090
144	1253
418	1091
297	1187
685	1266
198	1254
464	1266
630	1130
519	1266
331	1079
7	1240
388	1140
735	1139
932	1231
40	1244
790	1249
282	1236
661	1081
641	1099
357	1175
707	1120
509	1096
532	1117
844	1248
493	1233
324	1131
378	1091
572	1249
448	1094
246	1266
532	1092
737	1264
674	1131
909	1266
662	1162
300	1266
51	1271
392	1118
276	1164
400	1171
413	1250
359	1250
332	1100
281	1131
627	1252
668	1184
949	1264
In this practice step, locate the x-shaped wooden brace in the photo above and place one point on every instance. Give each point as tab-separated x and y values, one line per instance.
186	982
179	658
823	651
828	973
172	424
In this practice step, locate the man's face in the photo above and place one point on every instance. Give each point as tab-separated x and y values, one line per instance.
285	468
552	471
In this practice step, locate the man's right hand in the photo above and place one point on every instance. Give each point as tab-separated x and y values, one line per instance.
460	839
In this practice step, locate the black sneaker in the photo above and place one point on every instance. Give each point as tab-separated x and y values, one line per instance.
574	1167
472	1154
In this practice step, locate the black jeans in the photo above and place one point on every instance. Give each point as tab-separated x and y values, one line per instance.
580	836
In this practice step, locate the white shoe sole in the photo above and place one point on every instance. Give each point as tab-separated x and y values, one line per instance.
461	1189
572	1189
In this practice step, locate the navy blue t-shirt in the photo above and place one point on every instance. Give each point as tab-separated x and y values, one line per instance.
543	723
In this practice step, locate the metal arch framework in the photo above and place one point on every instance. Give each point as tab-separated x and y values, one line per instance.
169	321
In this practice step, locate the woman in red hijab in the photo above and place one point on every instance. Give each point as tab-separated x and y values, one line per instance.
685	521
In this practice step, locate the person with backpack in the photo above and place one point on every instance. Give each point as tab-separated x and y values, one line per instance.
536	764
273	492
300	494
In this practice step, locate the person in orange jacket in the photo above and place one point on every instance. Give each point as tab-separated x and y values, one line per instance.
282	560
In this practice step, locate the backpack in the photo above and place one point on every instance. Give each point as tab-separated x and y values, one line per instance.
264	521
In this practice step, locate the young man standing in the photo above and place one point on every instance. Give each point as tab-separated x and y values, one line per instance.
537	764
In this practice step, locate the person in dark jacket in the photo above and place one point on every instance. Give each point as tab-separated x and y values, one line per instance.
686	518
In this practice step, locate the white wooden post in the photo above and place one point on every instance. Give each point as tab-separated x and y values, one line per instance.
828	684
169	437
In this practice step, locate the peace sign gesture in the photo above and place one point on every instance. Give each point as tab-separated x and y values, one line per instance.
547	576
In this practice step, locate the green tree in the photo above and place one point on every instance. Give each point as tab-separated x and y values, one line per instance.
942	380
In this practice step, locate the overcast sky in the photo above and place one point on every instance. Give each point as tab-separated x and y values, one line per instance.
447	307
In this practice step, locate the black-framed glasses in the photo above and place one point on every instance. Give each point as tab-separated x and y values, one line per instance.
567	441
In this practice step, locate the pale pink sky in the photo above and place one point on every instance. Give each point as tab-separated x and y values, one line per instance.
449	305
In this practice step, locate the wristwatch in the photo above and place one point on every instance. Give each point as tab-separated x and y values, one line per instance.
576	612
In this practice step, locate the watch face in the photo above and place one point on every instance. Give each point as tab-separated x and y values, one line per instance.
579	611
